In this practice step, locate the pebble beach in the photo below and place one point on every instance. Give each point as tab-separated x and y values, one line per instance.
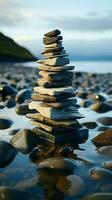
31	170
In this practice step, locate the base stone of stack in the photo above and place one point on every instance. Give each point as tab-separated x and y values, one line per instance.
59	139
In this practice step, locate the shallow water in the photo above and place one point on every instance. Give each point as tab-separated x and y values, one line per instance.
83	66
22	168
22	173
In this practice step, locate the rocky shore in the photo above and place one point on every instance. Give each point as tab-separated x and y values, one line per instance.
31	170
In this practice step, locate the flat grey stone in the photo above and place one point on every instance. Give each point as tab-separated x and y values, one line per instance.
54	91
50	40
63	104
47	98
53	45
53	33
52	84
55	49
44	120
56	113
58	61
55	69
56	76
48	54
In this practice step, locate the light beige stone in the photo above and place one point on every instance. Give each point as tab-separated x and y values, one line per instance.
55	69
54	91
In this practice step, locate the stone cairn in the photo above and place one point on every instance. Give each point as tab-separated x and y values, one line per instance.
53	98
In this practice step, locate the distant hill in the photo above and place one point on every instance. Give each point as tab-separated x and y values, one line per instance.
10	51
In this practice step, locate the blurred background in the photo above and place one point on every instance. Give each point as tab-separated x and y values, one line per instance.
86	26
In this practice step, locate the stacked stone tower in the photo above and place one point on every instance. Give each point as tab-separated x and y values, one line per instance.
56	117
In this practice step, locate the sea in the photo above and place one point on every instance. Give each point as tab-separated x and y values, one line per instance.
83	66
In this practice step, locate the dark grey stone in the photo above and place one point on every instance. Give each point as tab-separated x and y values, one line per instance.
53	33
7	153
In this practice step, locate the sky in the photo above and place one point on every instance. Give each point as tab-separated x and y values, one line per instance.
86	25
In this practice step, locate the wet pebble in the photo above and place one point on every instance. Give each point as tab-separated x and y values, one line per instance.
103	139
90	125
7	91
23	109
97	97
5	123
108	165
7	153
101	107
103	128
71	185
86	103
99	173
25	140
107	121
105	150
13	131
10	103
23	95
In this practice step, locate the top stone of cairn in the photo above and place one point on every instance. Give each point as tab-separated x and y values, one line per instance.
53	33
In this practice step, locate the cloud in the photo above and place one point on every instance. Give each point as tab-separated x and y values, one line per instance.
91	22
11	13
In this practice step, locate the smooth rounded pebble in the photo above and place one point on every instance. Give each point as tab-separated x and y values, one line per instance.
105	150
23	95
23	109
10	103
108	165
107	121
101	107
103	139
90	125
71	185
5	123
7	153
99	173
